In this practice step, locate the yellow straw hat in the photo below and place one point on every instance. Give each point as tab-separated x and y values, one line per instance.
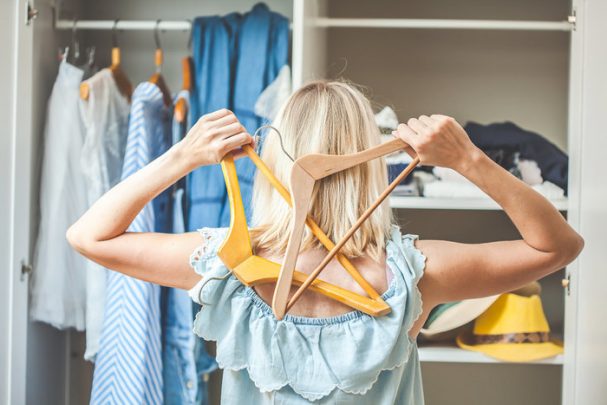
514	329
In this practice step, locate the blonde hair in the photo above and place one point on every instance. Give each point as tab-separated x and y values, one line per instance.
331	117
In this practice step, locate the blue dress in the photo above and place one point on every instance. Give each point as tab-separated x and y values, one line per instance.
352	358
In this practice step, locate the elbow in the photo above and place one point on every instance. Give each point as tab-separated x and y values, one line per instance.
77	240
570	250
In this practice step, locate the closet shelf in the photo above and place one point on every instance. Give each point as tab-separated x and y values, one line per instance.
431	203
453	354
445	24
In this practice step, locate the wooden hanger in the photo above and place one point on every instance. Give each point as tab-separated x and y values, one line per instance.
237	254
122	81
157	77
181	106
306	170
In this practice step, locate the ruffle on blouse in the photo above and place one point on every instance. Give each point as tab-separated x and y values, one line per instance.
314	356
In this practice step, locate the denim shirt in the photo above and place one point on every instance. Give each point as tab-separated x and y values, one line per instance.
351	358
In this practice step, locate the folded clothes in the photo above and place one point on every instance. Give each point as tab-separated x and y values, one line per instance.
458	189
509	137
530	172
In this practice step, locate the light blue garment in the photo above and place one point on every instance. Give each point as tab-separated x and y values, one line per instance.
213	52
179	366
348	359
263	49
235	58
128	369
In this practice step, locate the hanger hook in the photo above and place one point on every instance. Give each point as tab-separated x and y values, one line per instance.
190	35
157	34
115	34
257	137
75	45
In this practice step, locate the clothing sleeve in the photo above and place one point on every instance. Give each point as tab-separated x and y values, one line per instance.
416	262
204	256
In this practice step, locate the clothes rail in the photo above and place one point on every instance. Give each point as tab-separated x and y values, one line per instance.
136	25
568	25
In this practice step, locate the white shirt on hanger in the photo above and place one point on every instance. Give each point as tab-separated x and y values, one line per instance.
58	284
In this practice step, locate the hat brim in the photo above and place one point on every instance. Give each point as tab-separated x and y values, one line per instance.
458	315
514	352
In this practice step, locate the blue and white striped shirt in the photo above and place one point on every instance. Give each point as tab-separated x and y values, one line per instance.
128	369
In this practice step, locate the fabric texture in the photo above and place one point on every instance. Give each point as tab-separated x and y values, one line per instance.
129	363
179	366
58	283
352	358
105	115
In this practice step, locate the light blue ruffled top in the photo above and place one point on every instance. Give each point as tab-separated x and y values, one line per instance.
352	358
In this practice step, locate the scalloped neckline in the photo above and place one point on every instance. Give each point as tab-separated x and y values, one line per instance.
328	320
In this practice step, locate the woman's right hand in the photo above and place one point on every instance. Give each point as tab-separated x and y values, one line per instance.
212	137
439	140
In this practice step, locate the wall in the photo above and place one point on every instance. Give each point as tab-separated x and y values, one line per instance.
479	75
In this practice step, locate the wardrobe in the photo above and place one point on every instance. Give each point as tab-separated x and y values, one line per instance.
539	63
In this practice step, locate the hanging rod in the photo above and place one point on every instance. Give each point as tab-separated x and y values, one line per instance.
141	25
445	24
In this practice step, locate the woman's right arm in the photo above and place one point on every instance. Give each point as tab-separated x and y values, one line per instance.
456	271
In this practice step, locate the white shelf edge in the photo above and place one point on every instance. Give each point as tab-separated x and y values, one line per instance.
455	203
451	354
443	23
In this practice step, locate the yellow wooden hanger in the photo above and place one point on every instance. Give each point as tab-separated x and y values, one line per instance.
122	81
304	173
237	254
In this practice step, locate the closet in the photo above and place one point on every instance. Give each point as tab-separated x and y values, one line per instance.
539	63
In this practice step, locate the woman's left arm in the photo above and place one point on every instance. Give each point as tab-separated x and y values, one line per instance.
101	232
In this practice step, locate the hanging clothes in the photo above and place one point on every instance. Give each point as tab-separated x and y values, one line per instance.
58	284
129	363
105	116
263	49
179	364
213	41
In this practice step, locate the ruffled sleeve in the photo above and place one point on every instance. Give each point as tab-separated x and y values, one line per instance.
413	271
204	257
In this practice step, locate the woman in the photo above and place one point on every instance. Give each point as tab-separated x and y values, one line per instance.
323	351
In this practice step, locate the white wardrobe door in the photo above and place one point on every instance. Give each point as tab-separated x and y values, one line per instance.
586	360
15	163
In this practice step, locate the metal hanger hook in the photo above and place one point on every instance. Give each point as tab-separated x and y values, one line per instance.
115	34
157	34
190	35
204	283
257	137
75	45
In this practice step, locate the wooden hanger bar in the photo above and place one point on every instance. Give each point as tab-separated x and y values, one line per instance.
314	228
351	231
237	254
306	170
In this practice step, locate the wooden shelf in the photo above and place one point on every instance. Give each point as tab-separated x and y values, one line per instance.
455	203
453	354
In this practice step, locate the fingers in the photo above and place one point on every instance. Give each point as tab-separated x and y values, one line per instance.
229	130
215	115
417	125
406	134
223	121
234	142
427	121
